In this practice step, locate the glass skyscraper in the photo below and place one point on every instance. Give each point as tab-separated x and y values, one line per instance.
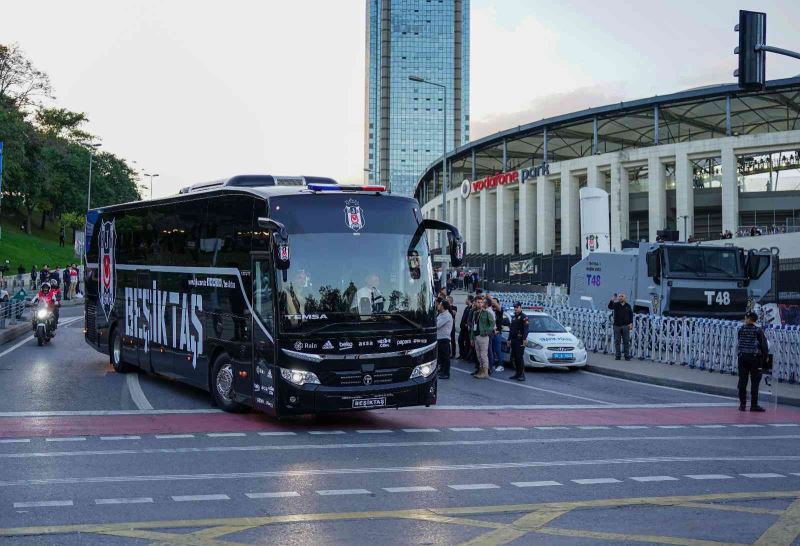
404	119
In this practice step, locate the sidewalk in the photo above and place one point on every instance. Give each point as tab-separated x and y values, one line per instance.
683	377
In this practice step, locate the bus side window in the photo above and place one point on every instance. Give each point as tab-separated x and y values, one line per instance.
262	294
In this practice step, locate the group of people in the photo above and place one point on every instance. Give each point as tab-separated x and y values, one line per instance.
66	278
456	279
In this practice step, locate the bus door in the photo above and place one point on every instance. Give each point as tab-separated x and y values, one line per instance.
143	346
263	331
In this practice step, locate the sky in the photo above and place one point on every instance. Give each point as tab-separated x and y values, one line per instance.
198	90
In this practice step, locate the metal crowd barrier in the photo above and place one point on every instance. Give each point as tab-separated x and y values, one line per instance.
531	299
11	311
702	343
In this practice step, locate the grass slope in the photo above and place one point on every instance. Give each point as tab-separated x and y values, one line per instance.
39	248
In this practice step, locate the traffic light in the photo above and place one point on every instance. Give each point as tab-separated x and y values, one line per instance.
752	29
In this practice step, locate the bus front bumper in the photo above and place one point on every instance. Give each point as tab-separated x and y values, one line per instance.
322	398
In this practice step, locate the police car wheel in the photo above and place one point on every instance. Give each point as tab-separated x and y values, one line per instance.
222	385
115	353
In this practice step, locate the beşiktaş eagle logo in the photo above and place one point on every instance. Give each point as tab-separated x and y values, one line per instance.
107	280
354	215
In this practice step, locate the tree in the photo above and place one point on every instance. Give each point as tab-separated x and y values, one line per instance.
20	82
73	221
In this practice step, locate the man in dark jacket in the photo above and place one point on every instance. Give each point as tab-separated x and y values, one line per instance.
753	350
623	324
66	279
517	334
463	330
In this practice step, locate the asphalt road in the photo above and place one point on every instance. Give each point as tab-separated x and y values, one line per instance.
88	456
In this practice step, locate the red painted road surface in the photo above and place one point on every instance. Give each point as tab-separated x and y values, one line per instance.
15	427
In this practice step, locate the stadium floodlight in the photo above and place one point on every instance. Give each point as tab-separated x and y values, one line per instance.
752	29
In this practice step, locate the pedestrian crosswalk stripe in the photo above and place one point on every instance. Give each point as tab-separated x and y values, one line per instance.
330	492
190	498
709	476
654	479
413	489
272	495
473	486
545	483
42	504
136	500
595	481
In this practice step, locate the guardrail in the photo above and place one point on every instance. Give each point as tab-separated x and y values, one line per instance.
531	299
11	311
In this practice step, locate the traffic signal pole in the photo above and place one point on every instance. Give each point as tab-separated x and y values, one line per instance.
752	50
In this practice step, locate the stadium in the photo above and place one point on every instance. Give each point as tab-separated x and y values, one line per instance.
703	161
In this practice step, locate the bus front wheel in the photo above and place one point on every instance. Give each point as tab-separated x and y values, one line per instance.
222	385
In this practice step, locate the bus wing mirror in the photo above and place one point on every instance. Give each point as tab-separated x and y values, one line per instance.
280	242
456	246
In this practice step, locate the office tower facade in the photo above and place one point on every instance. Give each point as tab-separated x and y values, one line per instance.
405	119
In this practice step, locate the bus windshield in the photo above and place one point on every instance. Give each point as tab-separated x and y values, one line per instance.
720	263
346	281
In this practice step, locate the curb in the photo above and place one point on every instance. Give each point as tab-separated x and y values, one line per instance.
685	385
11	333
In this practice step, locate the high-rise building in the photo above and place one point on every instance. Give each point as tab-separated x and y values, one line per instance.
404	119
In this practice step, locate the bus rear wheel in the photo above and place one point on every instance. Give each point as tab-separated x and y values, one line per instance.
115	353
222	385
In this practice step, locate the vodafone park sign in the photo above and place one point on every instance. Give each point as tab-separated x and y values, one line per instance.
502	179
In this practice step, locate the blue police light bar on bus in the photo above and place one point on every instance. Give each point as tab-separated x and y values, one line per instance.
336	187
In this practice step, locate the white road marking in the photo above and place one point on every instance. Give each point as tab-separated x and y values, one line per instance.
551	428
509	428
42	504
375	431
671	426
103	413
709	476
595	481
274	495
422	469
191	498
120	437
173	436
331	492
278	433
66	439
416	489
325	432
466	429
545	483
784	425
710	426
15	441
133	500
654	479
226	434
593	427
657	386
748	426
30	338
633	427
604	405
763	475
473	486
421	430
137	394
531	387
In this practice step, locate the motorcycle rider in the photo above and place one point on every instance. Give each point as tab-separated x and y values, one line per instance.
48	297
56	291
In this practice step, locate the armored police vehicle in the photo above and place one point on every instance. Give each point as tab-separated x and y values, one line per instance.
675	279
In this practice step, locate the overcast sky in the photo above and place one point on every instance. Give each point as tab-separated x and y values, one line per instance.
197	90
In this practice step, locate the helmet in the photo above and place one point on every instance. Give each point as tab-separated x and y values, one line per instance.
53	283
45	287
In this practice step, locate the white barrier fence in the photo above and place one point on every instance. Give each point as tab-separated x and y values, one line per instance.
706	344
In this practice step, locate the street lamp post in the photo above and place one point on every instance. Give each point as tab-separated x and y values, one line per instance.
151	182
92	147
420	79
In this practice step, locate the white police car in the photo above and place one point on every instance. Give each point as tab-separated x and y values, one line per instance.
549	343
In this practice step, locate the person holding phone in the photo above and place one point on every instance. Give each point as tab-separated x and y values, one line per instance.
623	325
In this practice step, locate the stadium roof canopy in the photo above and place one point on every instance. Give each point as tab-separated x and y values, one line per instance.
696	114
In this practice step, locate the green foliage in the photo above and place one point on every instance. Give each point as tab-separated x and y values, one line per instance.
40	248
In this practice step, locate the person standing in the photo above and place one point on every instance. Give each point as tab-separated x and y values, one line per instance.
444	324
61	236
453	313
73	281
33	277
496	347
463	330
44	275
485	327
518	333
67	280
623	324
753	350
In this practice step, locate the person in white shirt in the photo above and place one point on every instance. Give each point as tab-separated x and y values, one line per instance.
444	326
368	298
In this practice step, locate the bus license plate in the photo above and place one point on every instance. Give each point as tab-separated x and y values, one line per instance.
370	402
562	356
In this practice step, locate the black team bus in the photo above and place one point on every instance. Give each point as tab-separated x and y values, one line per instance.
290	295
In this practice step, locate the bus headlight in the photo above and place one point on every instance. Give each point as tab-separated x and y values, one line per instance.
299	377
533	345
424	370
42	313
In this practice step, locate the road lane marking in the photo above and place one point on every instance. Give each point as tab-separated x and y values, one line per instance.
192	498
657	386
784	425
595	481
763	475
633	427
110	438
413	489
375	431
593	427
710	426
709	476
325	432
509	428
408	444
272	495
531	387
332	492
748	426
66	439
670	426
278	433
551	428
421	430
173	436
42	504
226	434
136	392
15	441
133	500
30	338
654	479
473	486
466	429
106	413
543	483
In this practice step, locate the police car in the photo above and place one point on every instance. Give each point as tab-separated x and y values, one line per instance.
549	343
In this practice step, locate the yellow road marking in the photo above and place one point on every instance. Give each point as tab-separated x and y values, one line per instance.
621	537
785	530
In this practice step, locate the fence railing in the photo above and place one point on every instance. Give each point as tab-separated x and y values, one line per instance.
11	311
